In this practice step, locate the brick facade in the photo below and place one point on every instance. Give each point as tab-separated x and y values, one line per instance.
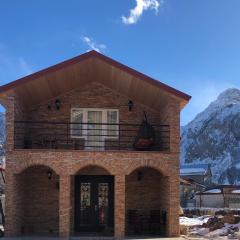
27	168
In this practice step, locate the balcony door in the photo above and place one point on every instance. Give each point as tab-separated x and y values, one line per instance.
95	131
94	126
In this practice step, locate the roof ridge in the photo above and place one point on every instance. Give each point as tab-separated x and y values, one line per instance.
87	55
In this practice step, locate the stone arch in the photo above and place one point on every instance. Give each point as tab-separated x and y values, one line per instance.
88	164
95	171
147	196
38	194
163	169
20	168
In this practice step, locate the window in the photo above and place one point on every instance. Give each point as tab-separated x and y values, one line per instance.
82	121
112	118
76	123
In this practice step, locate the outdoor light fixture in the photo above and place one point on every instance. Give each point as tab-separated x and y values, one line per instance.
130	105
49	174
57	104
139	175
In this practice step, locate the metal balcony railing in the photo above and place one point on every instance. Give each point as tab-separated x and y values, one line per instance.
90	136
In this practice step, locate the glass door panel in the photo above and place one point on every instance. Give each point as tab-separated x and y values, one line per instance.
103	189
94	204
85	198
95	140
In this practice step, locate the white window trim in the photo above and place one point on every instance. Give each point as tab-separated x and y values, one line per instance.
104	121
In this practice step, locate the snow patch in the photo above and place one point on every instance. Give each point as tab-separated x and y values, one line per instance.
216	190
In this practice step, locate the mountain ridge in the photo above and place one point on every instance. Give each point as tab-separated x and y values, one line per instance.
213	136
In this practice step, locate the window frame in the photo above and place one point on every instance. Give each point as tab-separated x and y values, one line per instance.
85	120
72	121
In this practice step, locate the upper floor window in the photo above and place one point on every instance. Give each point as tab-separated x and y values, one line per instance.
76	120
93	124
112	120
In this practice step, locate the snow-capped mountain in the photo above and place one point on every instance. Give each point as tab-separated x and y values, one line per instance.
214	137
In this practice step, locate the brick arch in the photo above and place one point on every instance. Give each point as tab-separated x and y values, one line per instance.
37	193
163	169
23	167
79	166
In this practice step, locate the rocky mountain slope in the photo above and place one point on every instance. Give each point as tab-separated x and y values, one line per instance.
214	137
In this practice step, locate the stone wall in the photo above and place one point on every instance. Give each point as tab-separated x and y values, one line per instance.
119	164
145	193
67	163
93	95
40	201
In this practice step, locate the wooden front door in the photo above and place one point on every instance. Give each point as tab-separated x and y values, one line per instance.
94	203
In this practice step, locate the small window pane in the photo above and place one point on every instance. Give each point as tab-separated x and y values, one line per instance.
76	126
103	202
85	195
112	118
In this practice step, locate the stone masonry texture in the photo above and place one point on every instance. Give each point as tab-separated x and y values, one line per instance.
37	205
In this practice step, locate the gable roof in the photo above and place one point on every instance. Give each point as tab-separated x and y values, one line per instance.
191	182
95	55
194	169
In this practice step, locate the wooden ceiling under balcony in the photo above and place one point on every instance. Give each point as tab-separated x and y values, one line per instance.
92	67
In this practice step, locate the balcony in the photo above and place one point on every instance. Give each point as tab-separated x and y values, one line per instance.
91	136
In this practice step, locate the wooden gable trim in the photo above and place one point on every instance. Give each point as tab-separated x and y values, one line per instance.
102	57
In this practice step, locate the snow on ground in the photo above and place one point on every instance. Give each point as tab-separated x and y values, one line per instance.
236	191
197	221
229	231
224	233
216	190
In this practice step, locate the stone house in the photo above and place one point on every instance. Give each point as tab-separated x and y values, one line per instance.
92	148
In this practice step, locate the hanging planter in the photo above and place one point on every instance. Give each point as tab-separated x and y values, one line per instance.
145	139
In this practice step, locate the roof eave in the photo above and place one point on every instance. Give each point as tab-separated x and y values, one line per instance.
12	85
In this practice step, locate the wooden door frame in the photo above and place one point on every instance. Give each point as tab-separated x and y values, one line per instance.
93	179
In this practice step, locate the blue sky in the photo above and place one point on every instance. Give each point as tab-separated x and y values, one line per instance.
192	45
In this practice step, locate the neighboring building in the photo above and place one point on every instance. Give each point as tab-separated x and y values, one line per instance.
79	157
222	196
200	173
188	190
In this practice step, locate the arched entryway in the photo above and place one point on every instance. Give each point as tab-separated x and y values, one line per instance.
93	201
39	204
146	202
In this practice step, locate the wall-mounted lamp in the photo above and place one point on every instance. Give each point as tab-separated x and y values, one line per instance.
130	105
57	104
49	174
139	175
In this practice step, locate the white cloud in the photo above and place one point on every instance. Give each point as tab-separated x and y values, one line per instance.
24	66
142	5
11	66
93	45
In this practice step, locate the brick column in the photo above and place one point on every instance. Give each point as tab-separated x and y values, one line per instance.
9	124
13	195
64	205
174	122
119	207
173	229
13	206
